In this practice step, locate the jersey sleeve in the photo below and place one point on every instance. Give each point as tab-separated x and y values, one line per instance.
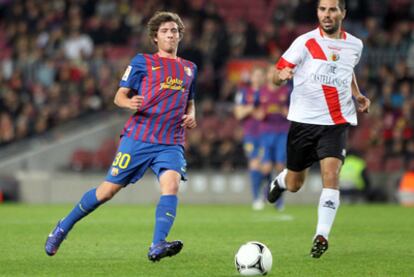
359	53
193	84
134	73
293	55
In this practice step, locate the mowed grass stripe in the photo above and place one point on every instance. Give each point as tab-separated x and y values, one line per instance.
376	240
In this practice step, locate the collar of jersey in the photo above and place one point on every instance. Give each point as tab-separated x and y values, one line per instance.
342	35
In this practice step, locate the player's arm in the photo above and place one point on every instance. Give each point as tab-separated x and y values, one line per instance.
243	108
123	101
282	75
362	101
259	114
243	111
131	82
189	118
293	57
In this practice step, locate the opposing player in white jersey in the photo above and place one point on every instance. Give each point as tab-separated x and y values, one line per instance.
321	63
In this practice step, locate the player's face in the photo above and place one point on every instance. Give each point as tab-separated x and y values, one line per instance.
258	77
168	37
330	16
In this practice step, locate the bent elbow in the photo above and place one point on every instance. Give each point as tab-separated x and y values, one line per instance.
116	100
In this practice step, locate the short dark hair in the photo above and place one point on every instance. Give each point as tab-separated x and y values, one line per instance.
161	17
341	4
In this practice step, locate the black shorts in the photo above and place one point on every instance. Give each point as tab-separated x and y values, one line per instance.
309	143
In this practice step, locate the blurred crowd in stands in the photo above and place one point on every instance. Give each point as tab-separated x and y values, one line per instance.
63	59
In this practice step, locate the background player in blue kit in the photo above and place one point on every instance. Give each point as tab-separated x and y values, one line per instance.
160	89
273	127
247	102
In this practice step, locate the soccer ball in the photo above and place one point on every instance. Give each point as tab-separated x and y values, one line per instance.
253	258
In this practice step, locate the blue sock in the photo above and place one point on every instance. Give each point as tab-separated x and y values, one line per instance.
256	179
164	217
86	205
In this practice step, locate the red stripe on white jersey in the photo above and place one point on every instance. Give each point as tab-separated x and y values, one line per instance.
282	63
331	93
332	99
315	50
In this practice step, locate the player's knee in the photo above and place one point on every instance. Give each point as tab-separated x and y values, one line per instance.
106	191
105	196
169	182
169	188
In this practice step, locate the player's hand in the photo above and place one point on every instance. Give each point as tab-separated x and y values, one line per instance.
259	114
135	102
188	121
363	103
286	74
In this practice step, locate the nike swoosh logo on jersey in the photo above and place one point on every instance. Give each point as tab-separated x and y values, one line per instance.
155	68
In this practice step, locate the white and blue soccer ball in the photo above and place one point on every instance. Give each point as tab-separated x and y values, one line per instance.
253	258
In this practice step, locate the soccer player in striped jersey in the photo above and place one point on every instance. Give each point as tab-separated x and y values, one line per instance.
247	102
321	63
273	127
160	89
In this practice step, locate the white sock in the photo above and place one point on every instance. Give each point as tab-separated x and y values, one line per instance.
328	205
281	178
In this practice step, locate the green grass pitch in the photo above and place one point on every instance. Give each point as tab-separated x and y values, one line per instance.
375	240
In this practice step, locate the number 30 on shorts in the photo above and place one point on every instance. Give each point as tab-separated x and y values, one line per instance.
122	160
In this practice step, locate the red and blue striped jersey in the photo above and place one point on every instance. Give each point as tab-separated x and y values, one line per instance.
274	101
249	96
166	85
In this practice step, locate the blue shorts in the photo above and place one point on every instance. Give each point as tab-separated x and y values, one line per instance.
251	147
134	157
274	147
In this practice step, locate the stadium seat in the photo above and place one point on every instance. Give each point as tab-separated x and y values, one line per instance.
374	159
104	155
360	138
81	159
394	164
118	52
255	12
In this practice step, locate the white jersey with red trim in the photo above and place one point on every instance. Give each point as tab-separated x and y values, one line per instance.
323	70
